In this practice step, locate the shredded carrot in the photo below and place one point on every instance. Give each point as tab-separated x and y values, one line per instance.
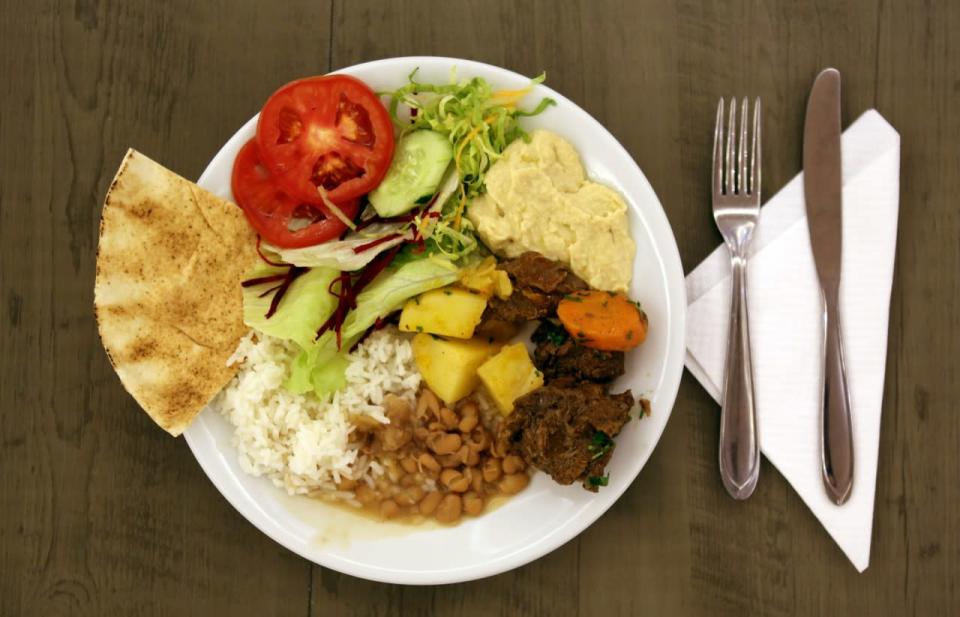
512	94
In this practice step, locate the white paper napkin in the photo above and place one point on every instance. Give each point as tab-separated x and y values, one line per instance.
785	312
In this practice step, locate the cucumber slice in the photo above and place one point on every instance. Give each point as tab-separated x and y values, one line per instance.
419	162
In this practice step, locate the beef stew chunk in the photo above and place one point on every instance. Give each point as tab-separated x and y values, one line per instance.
538	286
566	428
557	355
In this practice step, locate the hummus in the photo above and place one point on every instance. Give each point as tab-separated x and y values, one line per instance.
539	199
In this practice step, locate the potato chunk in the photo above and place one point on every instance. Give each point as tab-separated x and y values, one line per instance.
449	311
485	278
450	366
509	375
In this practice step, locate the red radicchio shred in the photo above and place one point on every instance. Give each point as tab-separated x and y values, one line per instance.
348	291
264	257
263	279
271	290
292	274
403	218
374	243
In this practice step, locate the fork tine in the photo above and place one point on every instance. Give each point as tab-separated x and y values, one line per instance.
755	150
718	151
729	186
742	149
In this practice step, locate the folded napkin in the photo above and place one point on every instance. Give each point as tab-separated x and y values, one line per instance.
786	331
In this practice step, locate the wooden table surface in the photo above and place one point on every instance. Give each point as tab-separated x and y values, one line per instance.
101	513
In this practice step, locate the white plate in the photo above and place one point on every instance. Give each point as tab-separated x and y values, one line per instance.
544	516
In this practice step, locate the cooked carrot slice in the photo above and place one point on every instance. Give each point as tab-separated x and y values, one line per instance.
603	320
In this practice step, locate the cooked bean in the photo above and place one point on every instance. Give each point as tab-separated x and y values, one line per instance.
396	409
449	509
468	424
409	464
448	476
476	479
450	460
480	437
365	494
491	469
469	409
449	418
444	443
472	504
436	425
394	472
409	480
392	438
430	502
427	461
462	485
421	433
346	484
513	464
409	496
427	403
389	508
513	483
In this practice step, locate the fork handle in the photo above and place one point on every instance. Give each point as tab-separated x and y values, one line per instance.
836	454
739	444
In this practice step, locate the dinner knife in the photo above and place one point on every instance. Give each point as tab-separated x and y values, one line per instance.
823	194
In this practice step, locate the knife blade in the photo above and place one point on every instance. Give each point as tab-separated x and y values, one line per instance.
822	185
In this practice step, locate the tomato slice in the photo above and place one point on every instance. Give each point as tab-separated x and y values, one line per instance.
281	220
331	132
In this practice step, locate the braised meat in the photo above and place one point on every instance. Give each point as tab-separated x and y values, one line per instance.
557	355
538	286
566	428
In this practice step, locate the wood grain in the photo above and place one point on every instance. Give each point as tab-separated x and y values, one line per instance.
102	514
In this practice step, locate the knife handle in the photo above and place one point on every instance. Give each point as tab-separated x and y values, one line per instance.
836	451
739	444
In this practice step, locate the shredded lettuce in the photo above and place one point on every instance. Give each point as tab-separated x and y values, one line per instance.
321	368
302	309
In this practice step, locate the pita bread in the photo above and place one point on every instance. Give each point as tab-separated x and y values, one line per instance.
167	295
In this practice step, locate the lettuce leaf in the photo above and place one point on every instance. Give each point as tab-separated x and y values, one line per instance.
340	254
302	310
321	368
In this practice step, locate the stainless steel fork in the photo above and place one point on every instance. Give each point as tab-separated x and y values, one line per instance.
736	208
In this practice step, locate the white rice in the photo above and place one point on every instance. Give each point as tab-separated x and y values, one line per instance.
300	442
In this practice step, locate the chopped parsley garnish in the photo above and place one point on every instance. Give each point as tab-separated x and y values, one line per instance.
573	298
599	480
550	332
599	444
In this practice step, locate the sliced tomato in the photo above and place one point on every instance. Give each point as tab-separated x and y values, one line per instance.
279	218
330	132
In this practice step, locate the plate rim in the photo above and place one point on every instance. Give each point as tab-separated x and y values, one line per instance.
247	506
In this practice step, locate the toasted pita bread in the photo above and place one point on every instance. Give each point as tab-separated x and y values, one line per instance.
167	295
